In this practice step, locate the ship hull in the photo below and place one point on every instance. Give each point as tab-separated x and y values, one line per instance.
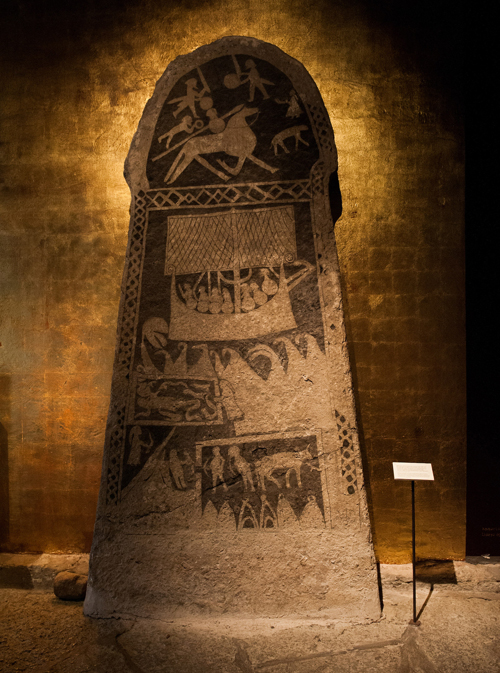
190	325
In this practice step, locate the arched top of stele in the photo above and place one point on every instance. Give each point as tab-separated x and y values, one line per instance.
232	47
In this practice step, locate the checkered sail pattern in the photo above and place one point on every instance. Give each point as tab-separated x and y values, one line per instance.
224	241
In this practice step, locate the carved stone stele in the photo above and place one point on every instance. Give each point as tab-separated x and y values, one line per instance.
232	481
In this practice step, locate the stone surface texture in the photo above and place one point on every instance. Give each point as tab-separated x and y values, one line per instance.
232	477
75	80
458	634
69	586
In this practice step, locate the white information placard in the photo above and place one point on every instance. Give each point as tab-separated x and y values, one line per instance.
413	471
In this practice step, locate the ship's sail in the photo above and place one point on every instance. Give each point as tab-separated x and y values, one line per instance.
217	243
241	239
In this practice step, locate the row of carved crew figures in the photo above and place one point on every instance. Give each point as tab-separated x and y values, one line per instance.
217	300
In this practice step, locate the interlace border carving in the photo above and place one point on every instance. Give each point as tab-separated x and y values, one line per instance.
229	195
130	304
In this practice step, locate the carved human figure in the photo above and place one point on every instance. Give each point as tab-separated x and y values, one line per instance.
236	140
247	302
186	126
215	305
238	465
216	124
255	80
137	445
216	467
294	109
227	302
268	286
176	469
189	100
311	515
203	303
187	293
259	297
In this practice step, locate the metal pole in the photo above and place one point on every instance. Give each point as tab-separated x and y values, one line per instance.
413	552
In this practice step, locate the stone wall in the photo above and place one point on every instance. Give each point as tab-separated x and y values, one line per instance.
75	84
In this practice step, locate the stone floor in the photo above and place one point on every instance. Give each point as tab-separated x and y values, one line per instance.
459	606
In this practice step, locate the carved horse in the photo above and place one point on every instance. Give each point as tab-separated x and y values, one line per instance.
287	462
236	140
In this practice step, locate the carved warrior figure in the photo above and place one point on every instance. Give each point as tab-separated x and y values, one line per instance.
192	95
232	407
237	140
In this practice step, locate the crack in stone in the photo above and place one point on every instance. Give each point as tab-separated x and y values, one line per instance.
229	482
330	653
128	659
162	512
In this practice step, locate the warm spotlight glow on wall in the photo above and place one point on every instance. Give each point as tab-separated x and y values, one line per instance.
75	85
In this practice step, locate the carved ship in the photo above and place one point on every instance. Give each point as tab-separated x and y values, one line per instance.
226	251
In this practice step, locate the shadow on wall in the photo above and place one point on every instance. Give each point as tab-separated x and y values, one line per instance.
436	572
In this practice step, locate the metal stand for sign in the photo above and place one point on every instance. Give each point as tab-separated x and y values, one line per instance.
414	620
413	472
